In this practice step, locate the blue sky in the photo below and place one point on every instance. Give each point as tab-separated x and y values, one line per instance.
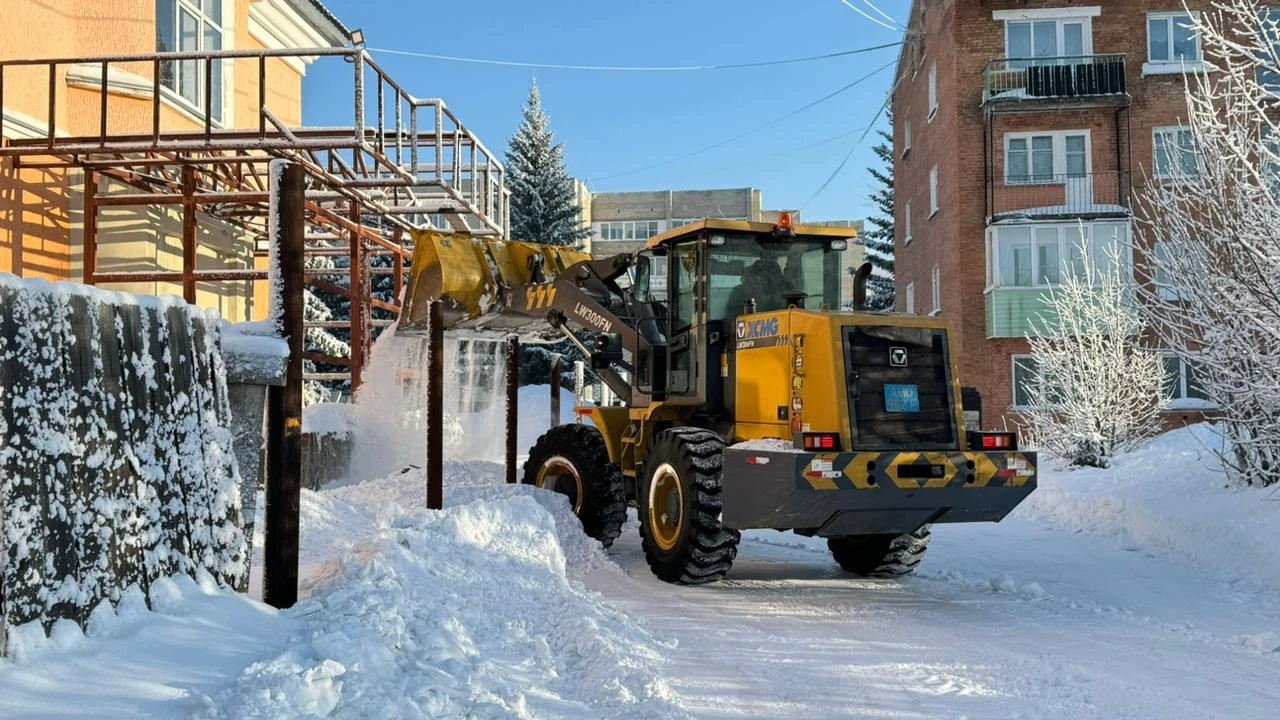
614	123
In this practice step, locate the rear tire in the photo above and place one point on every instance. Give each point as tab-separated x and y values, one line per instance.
574	461
881	555
679	504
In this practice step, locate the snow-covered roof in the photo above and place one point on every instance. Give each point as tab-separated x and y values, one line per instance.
1014	216
323	20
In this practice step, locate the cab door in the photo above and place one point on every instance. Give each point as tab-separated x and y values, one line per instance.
685	294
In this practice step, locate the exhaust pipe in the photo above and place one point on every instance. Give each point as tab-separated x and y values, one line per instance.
860	286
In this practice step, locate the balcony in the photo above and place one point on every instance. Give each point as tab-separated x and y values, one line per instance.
1049	197
1016	83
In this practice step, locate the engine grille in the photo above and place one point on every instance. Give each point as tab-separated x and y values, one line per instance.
876	356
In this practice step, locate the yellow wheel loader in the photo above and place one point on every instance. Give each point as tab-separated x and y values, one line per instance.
748	397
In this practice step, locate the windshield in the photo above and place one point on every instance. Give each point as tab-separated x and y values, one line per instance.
764	269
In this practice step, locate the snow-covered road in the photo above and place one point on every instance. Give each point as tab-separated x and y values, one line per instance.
1008	621
1136	592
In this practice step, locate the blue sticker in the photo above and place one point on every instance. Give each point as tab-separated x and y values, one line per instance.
901	398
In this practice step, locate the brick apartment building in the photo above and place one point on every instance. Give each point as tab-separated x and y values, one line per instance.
1017	122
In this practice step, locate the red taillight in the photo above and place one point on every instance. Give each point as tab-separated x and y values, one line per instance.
993	441
821	441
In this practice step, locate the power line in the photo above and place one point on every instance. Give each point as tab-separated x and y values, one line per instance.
882	13
869	16
630	68
756	129
835	173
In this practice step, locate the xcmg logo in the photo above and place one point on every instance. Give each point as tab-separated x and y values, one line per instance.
752	329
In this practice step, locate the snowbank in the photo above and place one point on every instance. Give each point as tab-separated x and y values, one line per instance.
1169	497
475	611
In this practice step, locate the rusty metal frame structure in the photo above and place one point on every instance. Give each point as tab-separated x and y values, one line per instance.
400	162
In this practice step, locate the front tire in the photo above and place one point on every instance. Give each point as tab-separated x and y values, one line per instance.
881	555
679	504
574	461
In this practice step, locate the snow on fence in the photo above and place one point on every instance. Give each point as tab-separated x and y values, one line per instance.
116	464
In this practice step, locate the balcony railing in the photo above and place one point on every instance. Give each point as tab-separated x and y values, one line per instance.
1061	195
1053	77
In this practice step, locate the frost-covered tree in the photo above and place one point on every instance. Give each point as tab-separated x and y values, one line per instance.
1098	388
544	206
319	339
878	240
1214	295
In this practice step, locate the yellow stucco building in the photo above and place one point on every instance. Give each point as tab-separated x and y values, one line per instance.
42	216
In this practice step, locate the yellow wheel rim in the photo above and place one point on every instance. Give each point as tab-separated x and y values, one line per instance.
558	474
666	506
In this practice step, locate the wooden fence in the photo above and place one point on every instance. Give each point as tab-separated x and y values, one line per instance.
116	462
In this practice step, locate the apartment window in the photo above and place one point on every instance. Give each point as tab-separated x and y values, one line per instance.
681	222
1040	255
1181	385
1270	54
1027	383
907	222
933	90
937	288
906	136
1175	153
1049	38
1045	157
933	191
629	230
1165	286
911	298
191	26
1172	39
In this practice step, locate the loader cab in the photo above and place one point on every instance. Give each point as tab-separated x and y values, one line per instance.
692	284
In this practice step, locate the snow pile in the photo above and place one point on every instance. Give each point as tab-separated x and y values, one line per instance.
1169	497
117	464
469	612
327	419
767	445
254	352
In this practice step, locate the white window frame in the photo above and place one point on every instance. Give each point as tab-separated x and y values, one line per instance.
1059	137
907	218
1175	131
628	228
225	27
1055	16
1066	239
1172	65
937	288
1164	289
933	91
910	301
1013	378
1183	402
933	191
906	136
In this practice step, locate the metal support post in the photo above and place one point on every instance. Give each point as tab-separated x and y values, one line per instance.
284	413
556	362
435	407
513	403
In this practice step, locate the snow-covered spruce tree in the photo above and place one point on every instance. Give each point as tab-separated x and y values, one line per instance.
1098	389
544	207
878	240
319	339
1214	295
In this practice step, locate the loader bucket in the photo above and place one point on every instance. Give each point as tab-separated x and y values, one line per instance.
484	284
